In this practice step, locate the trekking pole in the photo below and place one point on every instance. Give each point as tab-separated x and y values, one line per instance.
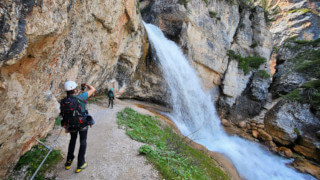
50	149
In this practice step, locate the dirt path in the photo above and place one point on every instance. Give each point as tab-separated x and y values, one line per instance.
111	154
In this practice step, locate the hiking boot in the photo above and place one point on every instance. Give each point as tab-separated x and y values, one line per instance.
68	164
79	169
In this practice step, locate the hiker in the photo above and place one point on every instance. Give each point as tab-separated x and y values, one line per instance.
76	120
111	97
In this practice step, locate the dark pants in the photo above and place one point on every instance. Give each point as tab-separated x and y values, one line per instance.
110	102
82	149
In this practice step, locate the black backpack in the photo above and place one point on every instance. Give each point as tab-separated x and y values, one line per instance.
110	94
74	118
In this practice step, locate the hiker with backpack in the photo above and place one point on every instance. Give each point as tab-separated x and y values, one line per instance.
76	120
111	97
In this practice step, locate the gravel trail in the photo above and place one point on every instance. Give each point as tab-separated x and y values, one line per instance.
111	154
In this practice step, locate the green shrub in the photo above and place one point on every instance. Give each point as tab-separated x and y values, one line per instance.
233	55
292	96
169	152
312	84
248	63
263	74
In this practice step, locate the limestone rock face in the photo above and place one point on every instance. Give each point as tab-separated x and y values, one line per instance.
295	18
43	44
287	121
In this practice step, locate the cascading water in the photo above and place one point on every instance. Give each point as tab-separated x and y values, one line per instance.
195	115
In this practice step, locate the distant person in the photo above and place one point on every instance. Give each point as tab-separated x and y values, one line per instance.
76	120
111	97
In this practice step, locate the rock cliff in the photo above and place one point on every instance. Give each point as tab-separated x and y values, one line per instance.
46	42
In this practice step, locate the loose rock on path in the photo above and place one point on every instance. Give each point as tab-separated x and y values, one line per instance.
111	154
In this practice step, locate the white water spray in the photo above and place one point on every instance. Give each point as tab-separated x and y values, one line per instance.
195	115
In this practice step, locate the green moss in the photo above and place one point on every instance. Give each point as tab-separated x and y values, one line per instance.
138	7
206	1
34	157
275	49
169	152
183	2
296	130
263	74
254	44
57	121
303	11
214	14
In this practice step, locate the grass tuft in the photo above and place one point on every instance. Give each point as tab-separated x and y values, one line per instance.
169	152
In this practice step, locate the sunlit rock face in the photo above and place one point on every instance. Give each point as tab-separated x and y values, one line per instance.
294	18
43	44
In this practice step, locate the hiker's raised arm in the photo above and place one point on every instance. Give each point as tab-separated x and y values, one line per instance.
91	90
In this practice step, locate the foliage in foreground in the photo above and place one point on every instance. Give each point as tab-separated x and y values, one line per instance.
34	157
169	152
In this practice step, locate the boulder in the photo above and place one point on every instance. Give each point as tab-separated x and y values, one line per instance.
286	120
309	148
255	134
242	124
305	166
260	126
225	123
264	136
271	144
284	151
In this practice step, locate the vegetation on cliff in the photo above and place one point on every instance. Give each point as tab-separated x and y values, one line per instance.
306	63
247	63
169	152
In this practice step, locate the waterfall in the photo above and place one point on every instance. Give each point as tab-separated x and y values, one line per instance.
195	116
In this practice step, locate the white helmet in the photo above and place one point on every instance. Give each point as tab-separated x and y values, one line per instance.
70	85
